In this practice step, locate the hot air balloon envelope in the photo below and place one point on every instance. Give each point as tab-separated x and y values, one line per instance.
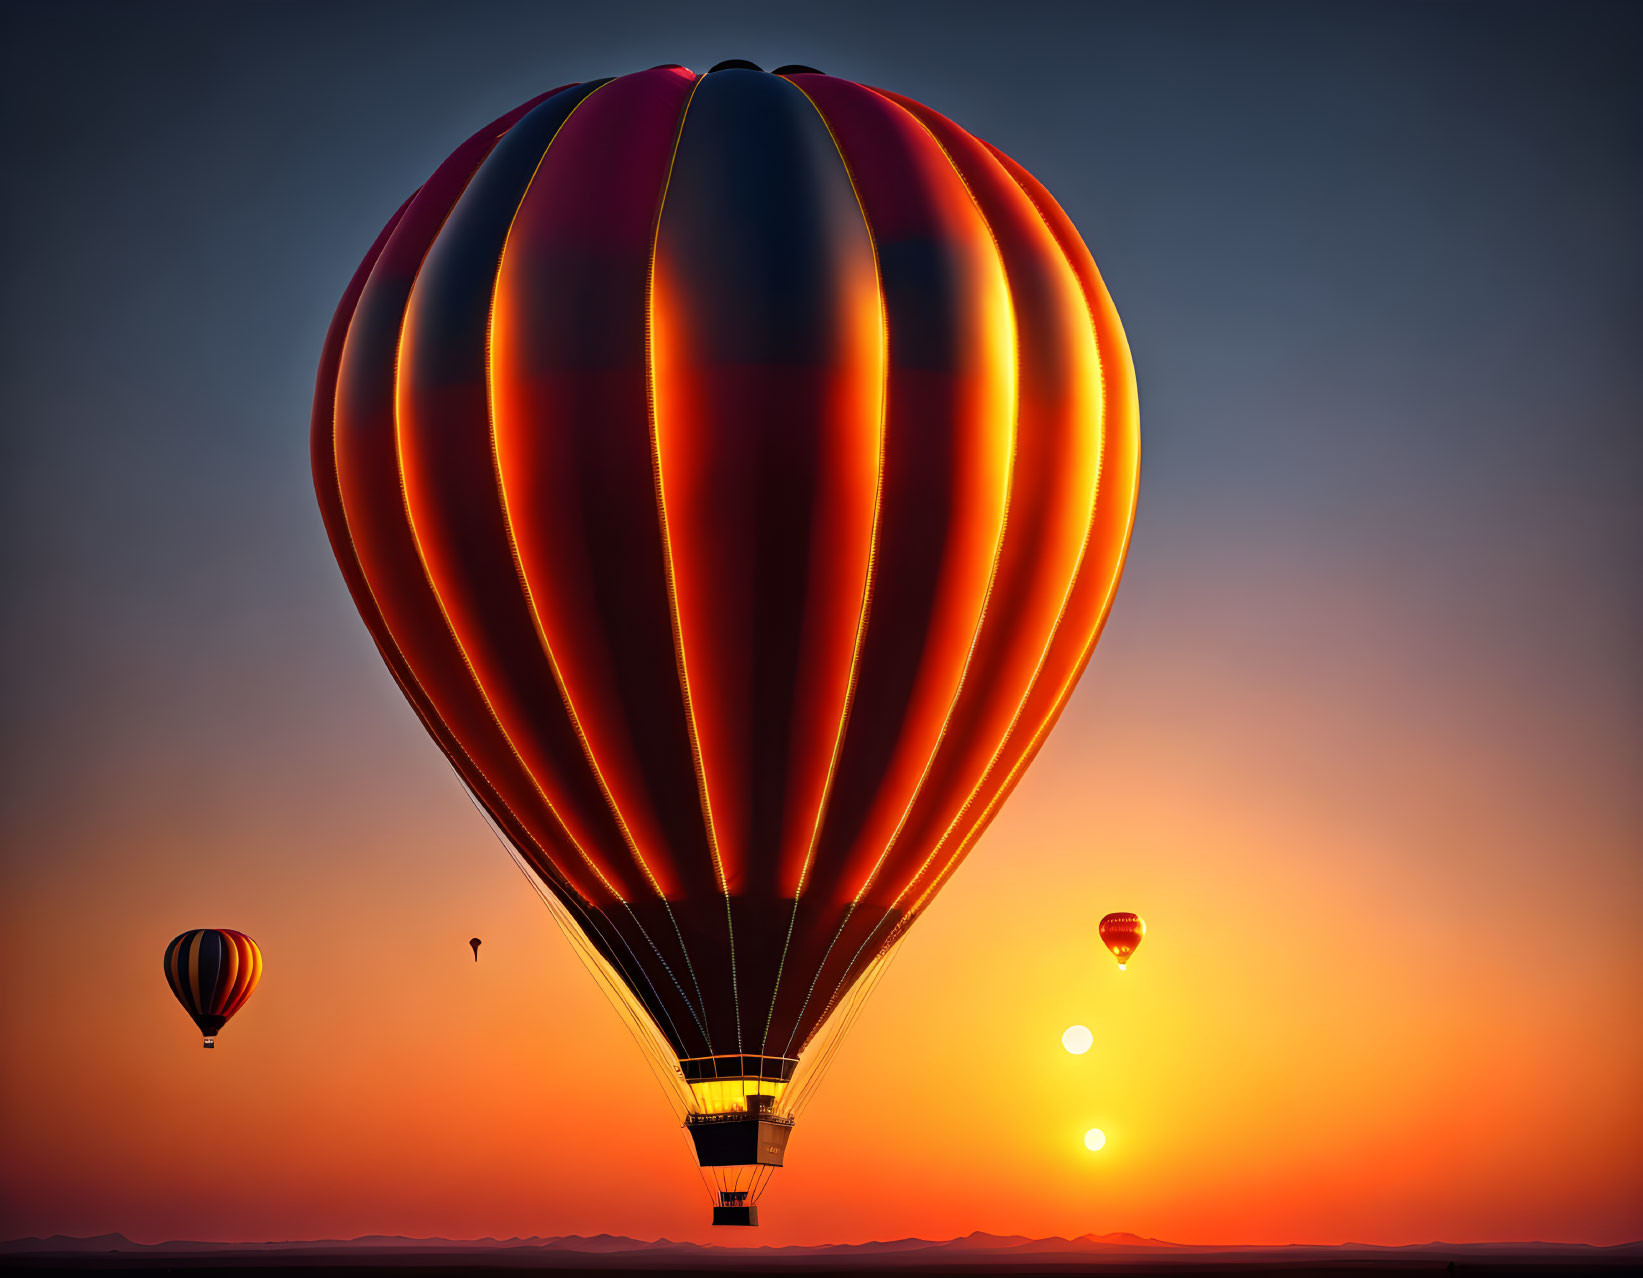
212	971
735	472
1122	934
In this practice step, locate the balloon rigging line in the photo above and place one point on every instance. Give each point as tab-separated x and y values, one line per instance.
854	1005
661	1066
735	993
646	1042
835	995
820	968
764	1043
685	997
691	968
532	876
815	1057
654	991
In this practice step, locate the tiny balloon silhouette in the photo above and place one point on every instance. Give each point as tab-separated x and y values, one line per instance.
212	971
475	943
1122	933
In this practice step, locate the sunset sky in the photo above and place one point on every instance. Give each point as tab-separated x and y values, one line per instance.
1363	741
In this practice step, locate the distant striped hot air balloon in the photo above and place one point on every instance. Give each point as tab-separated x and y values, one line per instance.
212	971
1122	933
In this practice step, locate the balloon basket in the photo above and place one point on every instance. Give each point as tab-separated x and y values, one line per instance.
735	1140
734	1209
210	1042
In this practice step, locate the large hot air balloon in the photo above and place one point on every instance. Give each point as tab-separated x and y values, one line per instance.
1122	933
212	971
734	471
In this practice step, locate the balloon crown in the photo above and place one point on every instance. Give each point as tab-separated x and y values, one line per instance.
742	64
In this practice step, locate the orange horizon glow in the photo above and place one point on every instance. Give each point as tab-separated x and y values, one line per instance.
1375	1068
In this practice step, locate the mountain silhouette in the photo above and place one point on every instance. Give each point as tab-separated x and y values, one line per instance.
973	1250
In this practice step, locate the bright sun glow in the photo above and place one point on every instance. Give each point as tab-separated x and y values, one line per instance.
1077	1040
1094	1138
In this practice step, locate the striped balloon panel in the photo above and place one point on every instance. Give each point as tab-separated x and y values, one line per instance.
212	971
734	472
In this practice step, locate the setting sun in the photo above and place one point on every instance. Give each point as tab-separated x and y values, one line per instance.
1077	1040
1094	1139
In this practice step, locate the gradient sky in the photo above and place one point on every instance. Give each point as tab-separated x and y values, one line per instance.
1363	741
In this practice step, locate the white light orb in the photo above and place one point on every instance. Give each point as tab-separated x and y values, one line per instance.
1077	1040
1094	1139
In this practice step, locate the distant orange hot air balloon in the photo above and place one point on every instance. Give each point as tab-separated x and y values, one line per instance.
212	971
1122	935
475	942
734	471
